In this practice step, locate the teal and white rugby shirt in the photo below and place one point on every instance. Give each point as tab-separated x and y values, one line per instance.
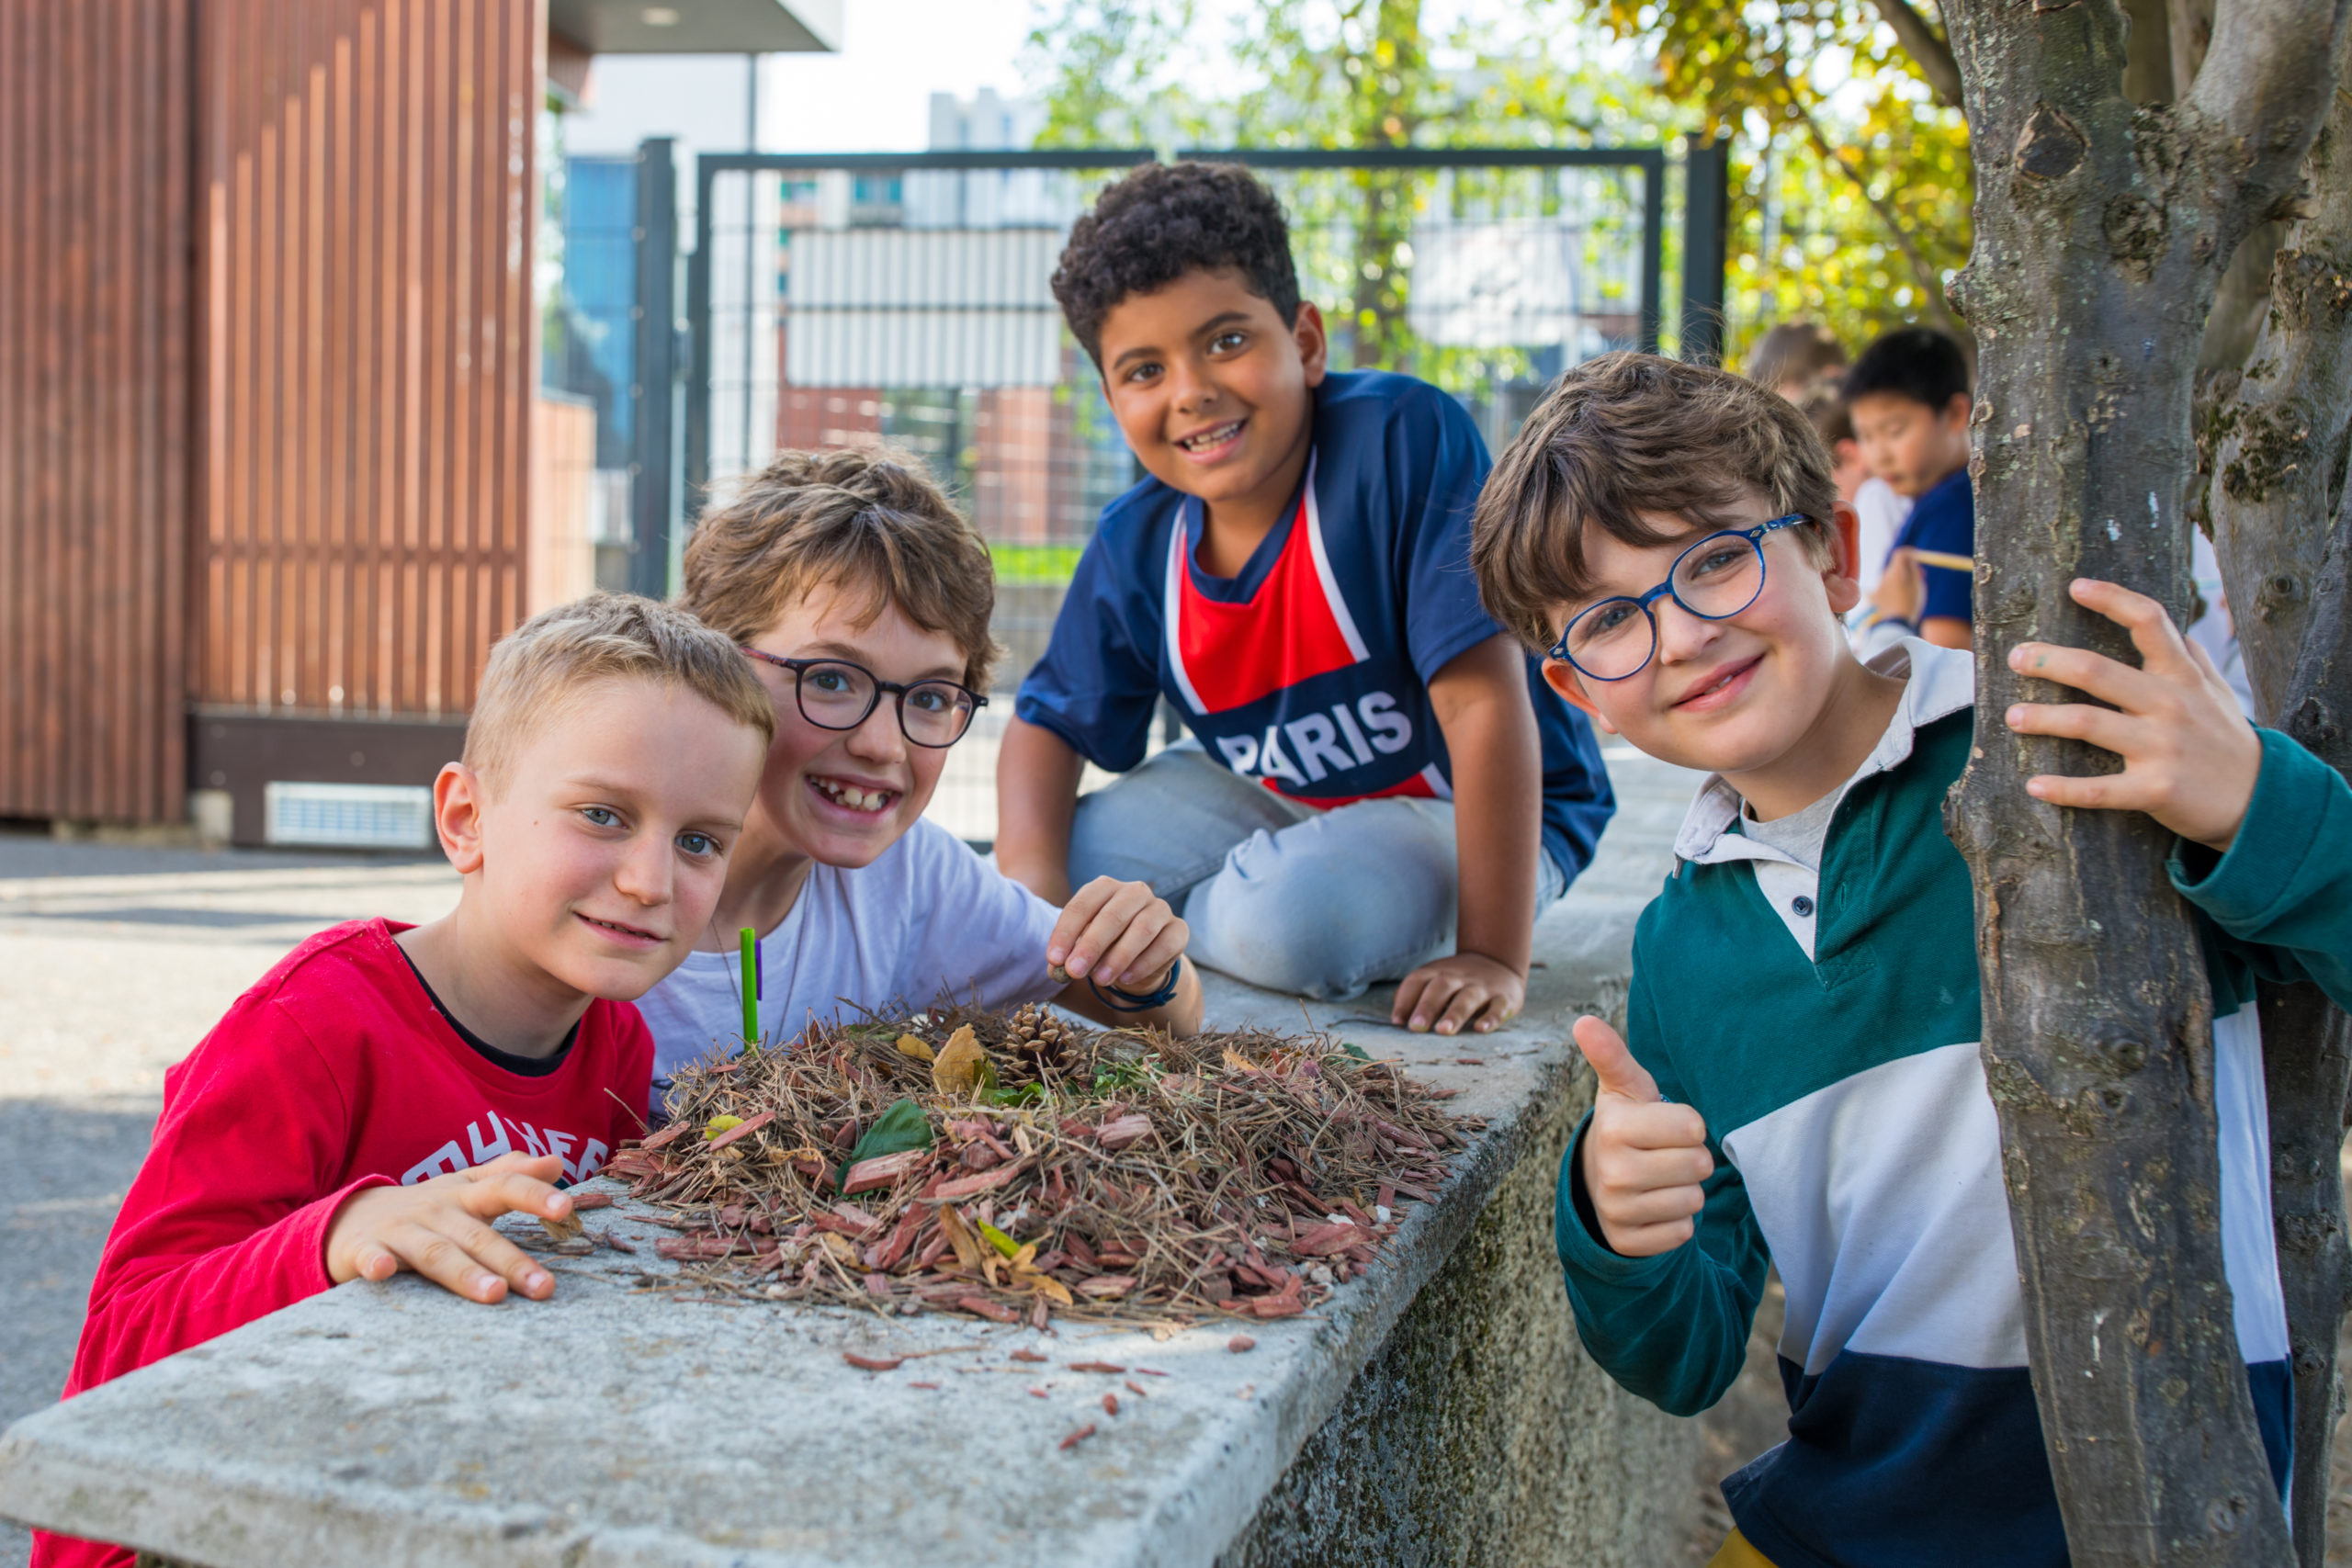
1827	1027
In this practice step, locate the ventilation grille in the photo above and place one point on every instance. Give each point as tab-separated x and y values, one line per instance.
345	816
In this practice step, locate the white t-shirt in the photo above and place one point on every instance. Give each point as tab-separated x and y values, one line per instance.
1879	512
927	914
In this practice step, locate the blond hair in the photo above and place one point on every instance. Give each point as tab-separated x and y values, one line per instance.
557	653
867	520
1624	434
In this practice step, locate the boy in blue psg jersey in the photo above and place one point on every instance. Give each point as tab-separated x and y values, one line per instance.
1799	1080
1379	785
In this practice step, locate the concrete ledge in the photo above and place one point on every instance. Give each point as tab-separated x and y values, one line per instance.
1437	1410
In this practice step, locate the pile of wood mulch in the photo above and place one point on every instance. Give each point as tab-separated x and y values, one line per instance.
1019	1168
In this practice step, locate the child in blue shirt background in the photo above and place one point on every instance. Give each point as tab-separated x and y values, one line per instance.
1908	398
1379	785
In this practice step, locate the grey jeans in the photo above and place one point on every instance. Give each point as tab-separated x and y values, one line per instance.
1322	904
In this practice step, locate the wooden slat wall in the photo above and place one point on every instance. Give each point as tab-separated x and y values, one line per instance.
367	210
95	152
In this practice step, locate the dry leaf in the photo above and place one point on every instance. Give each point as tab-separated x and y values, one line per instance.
718	1124
567	1229
913	1046
957	1069
1043	1284
838	1245
969	1252
1237	1062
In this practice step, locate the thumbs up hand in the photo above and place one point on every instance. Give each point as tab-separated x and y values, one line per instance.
1643	1160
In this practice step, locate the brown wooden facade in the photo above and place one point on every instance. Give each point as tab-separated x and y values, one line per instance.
95	417
367	199
267	377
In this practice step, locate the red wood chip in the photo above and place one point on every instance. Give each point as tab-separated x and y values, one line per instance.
1077	1437
882	1170
1239	1343
1029	1356
1136	1389
1095	1367
1110	1404
875	1363
973	1186
988	1308
929	1385
663	1138
1039	1394
619	1243
742	1129
1146	1371
591	1200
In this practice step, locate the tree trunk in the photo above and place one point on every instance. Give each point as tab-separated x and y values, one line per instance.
2101	231
2276	438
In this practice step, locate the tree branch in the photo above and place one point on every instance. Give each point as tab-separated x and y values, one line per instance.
1927	48
1931	284
2265	86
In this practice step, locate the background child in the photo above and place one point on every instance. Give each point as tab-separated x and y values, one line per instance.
1879	512
1385	788
1794	358
387	1091
1908	396
845	576
1801	1079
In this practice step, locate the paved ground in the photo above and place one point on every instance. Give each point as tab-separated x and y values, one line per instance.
114	960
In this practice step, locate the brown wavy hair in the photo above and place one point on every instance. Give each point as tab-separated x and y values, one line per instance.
867	520
1627	433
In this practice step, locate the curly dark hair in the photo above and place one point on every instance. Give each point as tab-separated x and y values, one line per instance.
1162	221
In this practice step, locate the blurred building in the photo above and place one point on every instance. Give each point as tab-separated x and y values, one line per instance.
281	454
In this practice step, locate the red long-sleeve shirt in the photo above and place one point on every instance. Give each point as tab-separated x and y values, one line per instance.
335	1073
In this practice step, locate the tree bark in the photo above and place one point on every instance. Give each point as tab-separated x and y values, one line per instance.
2101	231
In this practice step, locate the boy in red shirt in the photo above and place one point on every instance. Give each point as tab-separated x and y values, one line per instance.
387	1091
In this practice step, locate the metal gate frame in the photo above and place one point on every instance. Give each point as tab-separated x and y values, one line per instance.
1705	201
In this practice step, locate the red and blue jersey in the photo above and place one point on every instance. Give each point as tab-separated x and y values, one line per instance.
1310	672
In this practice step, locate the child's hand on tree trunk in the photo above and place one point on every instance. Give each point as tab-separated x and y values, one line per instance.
1642	1160
2189	757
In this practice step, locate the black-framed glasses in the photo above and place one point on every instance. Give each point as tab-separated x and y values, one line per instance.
1715	580
834	693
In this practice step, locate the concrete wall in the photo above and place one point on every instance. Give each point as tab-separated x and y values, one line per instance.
1482	1433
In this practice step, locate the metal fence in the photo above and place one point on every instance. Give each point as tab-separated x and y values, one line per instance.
902	298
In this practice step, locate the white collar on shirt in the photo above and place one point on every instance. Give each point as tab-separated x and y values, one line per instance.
1943	680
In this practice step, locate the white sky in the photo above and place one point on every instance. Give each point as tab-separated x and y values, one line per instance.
874	94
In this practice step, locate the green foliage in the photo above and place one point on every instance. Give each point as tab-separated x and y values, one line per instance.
1032	563
902	1127
1851	187
1348	73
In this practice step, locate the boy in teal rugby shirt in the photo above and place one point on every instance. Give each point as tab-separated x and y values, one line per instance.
1800	1081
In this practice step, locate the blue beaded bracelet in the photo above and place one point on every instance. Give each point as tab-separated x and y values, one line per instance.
1118	1001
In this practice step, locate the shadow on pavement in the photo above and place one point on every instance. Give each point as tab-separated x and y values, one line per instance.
69	1165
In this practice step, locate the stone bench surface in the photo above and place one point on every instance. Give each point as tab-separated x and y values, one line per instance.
616	1424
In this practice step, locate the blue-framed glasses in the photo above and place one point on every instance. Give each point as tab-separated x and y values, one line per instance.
1715	580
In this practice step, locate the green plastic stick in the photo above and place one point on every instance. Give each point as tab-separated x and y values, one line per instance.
750	940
